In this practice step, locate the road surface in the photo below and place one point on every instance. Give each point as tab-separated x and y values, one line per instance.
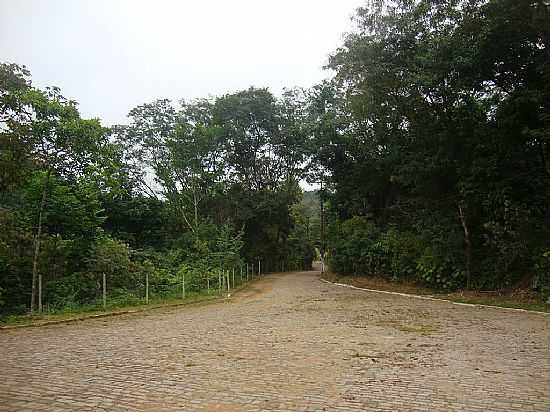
287	343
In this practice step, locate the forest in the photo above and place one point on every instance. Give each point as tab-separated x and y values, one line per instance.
429	145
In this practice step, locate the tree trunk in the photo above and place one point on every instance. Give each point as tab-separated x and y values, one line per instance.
322	228
196	209
37	240
467	243
104	291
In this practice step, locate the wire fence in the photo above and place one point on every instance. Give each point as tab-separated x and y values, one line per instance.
185	285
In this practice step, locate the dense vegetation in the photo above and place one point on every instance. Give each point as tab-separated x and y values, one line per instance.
432	144
212	185
440	152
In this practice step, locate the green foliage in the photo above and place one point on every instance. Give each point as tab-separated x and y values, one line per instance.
428	129
358	246
91	206
234	161
73	208
109	256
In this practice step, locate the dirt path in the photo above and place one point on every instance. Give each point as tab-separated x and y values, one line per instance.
290	342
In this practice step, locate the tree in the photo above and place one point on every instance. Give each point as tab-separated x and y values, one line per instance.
437	126
249	120
63	144
43	131
195	168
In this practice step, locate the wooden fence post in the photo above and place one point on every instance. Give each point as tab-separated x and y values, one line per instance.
147	288
183	286
104	291
227	277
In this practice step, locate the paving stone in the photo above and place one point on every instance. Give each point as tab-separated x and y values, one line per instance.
287	343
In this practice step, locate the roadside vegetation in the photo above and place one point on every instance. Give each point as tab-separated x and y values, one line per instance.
438	146
206	192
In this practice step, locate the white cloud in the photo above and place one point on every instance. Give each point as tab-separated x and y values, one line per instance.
113	55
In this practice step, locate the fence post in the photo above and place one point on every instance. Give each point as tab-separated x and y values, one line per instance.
227	277
247	271
104	291
220	280
233	277
147	287
39	292
183	286
259	267
241	273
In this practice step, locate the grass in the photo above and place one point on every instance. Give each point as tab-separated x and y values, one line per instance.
115	306
517	299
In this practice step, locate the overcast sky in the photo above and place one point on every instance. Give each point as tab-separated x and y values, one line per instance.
112	55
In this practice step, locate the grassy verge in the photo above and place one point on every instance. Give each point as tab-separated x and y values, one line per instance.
114	308
517	299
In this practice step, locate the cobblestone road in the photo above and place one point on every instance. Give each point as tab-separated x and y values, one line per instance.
287	343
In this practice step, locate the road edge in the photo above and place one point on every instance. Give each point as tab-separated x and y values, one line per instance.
409	295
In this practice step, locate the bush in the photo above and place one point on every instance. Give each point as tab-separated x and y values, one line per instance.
430	256
438	271
354	247
112	257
